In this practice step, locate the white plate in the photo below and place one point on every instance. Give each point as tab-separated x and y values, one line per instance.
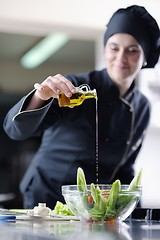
46	218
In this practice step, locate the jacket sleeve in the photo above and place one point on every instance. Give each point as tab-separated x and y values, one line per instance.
20	124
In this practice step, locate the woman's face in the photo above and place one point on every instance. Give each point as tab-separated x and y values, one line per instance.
124	58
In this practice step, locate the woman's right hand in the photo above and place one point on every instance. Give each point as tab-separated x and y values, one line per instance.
52	86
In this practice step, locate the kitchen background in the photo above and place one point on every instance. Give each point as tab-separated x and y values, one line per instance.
81	23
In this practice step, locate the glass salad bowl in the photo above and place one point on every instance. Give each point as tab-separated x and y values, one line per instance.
102	202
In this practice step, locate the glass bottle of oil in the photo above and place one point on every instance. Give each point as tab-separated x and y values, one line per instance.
77	98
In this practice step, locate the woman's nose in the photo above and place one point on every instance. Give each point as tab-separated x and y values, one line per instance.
122	56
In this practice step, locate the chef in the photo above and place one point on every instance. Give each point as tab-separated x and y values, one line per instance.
68	135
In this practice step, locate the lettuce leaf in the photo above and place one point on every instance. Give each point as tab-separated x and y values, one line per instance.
126	197
61	209
135	182
82	188
98	211
111	211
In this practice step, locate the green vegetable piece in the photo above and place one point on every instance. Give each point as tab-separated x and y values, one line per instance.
98	211
82	187
111	203
81	181
61	209
135	182
124	199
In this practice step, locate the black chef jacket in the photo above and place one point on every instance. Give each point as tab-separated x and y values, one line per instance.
69	138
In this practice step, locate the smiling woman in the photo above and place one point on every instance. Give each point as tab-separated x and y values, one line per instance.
124	59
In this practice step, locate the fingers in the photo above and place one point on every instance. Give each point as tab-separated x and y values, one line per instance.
38	87
59	83
43	92
65	84
53	85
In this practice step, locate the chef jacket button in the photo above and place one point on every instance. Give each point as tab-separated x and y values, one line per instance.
131	110
127	142
107	140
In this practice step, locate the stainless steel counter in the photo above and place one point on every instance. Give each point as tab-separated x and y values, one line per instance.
128	230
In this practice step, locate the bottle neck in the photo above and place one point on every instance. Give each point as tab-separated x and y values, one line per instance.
91	94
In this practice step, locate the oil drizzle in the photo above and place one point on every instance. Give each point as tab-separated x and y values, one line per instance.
97	153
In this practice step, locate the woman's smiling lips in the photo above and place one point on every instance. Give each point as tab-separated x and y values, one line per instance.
121	67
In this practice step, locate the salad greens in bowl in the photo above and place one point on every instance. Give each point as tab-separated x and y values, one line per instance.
101	202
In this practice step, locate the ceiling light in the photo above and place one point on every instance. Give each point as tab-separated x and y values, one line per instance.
43	50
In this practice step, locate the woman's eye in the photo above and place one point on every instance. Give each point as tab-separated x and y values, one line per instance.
132	50
113	48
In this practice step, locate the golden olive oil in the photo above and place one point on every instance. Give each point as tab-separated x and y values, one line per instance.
76	99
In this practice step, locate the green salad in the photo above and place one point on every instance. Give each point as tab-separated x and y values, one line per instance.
97	204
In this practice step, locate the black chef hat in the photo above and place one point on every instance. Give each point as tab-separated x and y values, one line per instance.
136	21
